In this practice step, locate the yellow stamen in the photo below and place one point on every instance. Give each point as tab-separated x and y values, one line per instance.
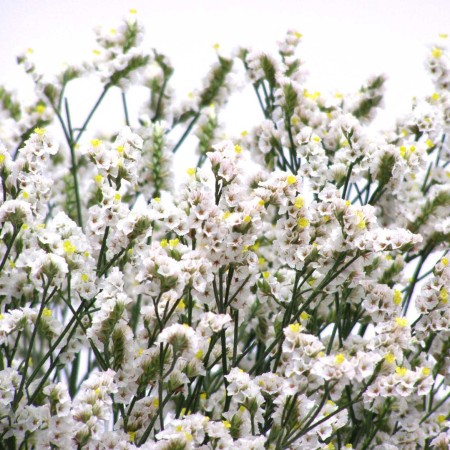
401	321
69	247
401	371
291	179
436	52
299	202
303	222
96	142
397	297
132	435
40	108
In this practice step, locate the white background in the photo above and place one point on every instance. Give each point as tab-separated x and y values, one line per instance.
344	41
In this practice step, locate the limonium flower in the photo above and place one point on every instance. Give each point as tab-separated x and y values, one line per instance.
291	291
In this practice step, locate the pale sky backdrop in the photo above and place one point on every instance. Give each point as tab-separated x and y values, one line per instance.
344	41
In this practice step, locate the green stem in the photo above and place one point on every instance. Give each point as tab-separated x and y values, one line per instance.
408	295
347	179
19	393
102	250
187	131
89	117
310	426
225	369
160	97
149	428
43	380
74	167
111	262
236	337
9	247
263	109
160	384
125	109
54	346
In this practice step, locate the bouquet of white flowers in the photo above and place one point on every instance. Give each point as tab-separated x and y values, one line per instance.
292	292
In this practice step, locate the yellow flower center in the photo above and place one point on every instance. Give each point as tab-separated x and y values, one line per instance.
401	371
69	247
291	179
96	142
443	296
436	52
303	222
174	242
401	321
299	202
304	316
397	296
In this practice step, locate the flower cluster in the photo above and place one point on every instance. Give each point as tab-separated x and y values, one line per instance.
291	292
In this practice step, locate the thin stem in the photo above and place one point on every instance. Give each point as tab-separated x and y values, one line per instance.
235	337
102	250
125	109
19	393
408	294
347	179
160	384
9	247
225	369
147	431
160	97
89	117
54	346
187	131
74	167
